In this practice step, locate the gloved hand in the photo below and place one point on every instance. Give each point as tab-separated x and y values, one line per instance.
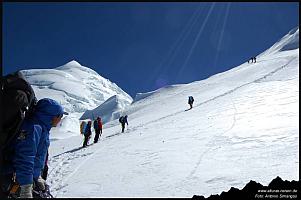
26	191
40	183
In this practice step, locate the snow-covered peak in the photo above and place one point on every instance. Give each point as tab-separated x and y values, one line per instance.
76	87
73	63
288	42
292	41
73	67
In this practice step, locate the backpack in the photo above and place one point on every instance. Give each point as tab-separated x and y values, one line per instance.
121	119
95	124
83	127
87	129
99	124
18	102
190	99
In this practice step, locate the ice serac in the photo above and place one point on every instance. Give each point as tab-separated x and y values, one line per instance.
109	110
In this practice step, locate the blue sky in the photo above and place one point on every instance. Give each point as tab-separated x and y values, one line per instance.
142	46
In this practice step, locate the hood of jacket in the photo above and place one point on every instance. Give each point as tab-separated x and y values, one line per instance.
45	110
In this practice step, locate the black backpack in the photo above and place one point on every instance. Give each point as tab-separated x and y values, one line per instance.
121	119
190	99
95	124
18	102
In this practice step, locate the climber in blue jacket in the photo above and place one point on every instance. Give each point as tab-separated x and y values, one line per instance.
29	149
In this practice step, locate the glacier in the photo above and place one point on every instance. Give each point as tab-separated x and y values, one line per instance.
244	125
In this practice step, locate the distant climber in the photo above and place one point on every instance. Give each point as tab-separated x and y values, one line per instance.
253	59
87	133
123	120
98	129
190	101
250	60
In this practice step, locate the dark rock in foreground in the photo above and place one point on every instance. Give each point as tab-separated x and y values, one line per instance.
277	189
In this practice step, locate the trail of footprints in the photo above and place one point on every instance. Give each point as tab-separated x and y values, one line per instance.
60	168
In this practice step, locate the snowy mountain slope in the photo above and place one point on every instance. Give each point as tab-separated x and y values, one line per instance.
77	88
289	42
222	83
176	97
244	125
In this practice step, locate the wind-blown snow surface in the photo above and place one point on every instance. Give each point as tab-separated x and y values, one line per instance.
77	88
244	125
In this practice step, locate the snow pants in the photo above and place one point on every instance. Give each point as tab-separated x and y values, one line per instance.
122	126
87	137
97	134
